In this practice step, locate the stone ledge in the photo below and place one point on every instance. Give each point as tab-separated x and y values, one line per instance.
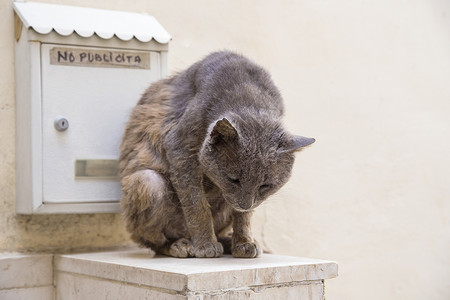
137	274
25	270
26	276
216	278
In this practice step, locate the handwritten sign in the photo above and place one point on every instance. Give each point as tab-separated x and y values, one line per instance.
85	57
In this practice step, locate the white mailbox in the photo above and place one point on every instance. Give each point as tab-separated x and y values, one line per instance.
79	71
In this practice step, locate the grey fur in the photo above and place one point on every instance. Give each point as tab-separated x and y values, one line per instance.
201	150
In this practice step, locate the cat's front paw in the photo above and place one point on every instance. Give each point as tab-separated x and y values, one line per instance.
246	250
209	249
181	248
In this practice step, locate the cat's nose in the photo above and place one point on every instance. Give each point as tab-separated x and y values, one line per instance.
246	204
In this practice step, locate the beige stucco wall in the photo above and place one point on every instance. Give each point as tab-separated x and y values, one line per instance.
370	80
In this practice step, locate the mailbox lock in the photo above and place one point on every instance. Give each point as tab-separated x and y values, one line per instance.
61	124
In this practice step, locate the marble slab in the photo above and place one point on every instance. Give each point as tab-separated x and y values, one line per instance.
25	270
139	267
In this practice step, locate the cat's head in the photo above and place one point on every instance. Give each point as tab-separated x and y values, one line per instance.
250	159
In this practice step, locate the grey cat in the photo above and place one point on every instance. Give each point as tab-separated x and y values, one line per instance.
201	150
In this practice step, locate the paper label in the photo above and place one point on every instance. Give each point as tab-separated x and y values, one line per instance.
89	57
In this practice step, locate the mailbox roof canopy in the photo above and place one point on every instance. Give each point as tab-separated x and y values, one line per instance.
65	20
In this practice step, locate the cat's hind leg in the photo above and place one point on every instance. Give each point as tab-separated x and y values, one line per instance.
145	206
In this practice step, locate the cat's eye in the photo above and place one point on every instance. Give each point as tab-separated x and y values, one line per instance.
264	188
234	180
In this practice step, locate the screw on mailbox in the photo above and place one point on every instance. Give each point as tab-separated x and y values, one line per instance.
61	124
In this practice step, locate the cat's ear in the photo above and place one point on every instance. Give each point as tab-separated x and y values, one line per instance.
223	130
295	143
